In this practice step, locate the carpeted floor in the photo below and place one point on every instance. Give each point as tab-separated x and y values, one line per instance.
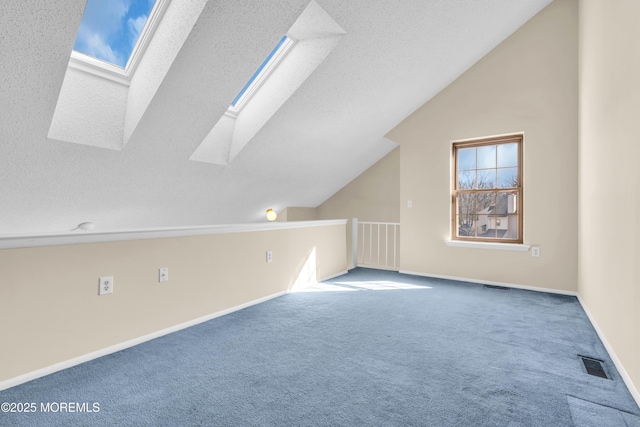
369	348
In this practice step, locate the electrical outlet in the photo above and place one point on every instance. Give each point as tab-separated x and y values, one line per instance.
269	256
163	275
409	203
106	285
535	251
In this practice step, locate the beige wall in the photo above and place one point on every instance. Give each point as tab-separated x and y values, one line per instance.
298	214
526	84
609	263
373	196
51	311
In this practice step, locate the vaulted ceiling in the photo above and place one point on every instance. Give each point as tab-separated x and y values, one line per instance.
76	148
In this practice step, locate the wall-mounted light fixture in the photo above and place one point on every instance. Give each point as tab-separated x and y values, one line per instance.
271	215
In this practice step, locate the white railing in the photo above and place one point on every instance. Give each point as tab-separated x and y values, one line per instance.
375	244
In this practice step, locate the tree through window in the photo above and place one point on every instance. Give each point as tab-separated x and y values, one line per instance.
487	190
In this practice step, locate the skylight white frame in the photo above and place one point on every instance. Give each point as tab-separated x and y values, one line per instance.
100	68
277	57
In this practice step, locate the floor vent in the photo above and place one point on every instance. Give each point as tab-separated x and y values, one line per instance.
594	367
500	288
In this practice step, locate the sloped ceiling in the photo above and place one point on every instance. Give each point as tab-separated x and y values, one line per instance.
395	55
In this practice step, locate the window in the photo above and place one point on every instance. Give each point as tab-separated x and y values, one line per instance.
109	31
268	65
487	190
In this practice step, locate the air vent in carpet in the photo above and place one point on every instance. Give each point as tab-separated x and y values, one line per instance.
501	288
594	367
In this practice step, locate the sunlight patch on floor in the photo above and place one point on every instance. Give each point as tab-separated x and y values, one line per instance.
374	285
323	287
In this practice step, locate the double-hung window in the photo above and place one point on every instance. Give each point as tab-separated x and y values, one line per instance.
487	190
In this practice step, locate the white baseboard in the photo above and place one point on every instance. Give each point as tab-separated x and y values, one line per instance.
377	267
623	373
332	276
489	282
12	382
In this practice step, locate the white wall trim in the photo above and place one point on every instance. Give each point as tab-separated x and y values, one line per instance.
98	68
488	245
618	364
500	135
489	282
354	242
12	382
71	238
333	276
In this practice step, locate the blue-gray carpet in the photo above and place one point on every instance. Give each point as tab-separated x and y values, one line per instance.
369	348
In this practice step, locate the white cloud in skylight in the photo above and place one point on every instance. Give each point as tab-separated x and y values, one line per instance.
135	28
110	29
93	44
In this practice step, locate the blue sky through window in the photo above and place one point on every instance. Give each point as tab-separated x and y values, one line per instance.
259	70
110	29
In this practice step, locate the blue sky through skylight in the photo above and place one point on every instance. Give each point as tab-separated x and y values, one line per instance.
259	70
110	29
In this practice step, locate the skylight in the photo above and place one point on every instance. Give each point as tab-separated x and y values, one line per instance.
263	71
110	30
310	40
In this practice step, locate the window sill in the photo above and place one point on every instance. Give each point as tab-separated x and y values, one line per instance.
486	245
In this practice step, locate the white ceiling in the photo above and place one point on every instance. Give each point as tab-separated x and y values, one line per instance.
395	55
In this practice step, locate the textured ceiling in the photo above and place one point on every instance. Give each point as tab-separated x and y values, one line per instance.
395	55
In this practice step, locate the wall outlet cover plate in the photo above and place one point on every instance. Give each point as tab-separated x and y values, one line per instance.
163	275
106	285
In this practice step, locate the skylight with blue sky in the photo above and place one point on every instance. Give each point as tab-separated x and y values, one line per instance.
259	70
110	29
268	65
